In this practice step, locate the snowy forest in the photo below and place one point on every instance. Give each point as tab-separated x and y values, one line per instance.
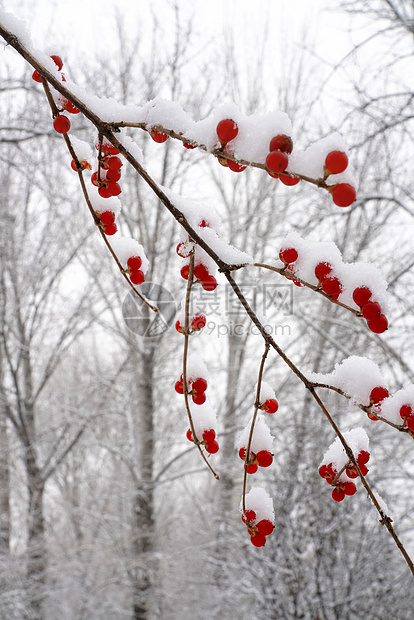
206	286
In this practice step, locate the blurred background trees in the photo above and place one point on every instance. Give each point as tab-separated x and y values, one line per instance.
106	509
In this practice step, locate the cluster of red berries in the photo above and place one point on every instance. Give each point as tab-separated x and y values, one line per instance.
208	440
257	530
61	122
134	264
342	486
109	171
201	273
197	322
343	194
197	388
280	147
107	222
263	458
331	285
371	310
377	395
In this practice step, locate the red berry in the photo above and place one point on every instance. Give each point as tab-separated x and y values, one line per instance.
198	322
36	77
107	217
110	229
265	527
71	108
113	175
236	167
103	192
336	162
61	124
361	295
281	143
94	179
250	515
252	469
114	163
134	262
406	411
242	453
182	249
322	270
199	385
371	310
201	272
410	422
379	324
179	387
209	435
258	540
209	283
227	130
58	61
264	458
323	470
179	327
343	194
158	136
364	469
199	398
288	255
351	472
349	488
363	457
378	394
114	188
188	146
212	447
189	435
270	405
332	286
287	180
185	270
338	495
277	162
137	277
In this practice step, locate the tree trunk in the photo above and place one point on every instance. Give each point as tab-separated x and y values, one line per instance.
143	534
36	548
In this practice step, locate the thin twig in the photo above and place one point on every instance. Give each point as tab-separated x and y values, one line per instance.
256	409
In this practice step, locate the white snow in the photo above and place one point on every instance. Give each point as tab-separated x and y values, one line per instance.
196	367
357	439
266	392
259	500
124	248
356	376
262	438
100	205
204	418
